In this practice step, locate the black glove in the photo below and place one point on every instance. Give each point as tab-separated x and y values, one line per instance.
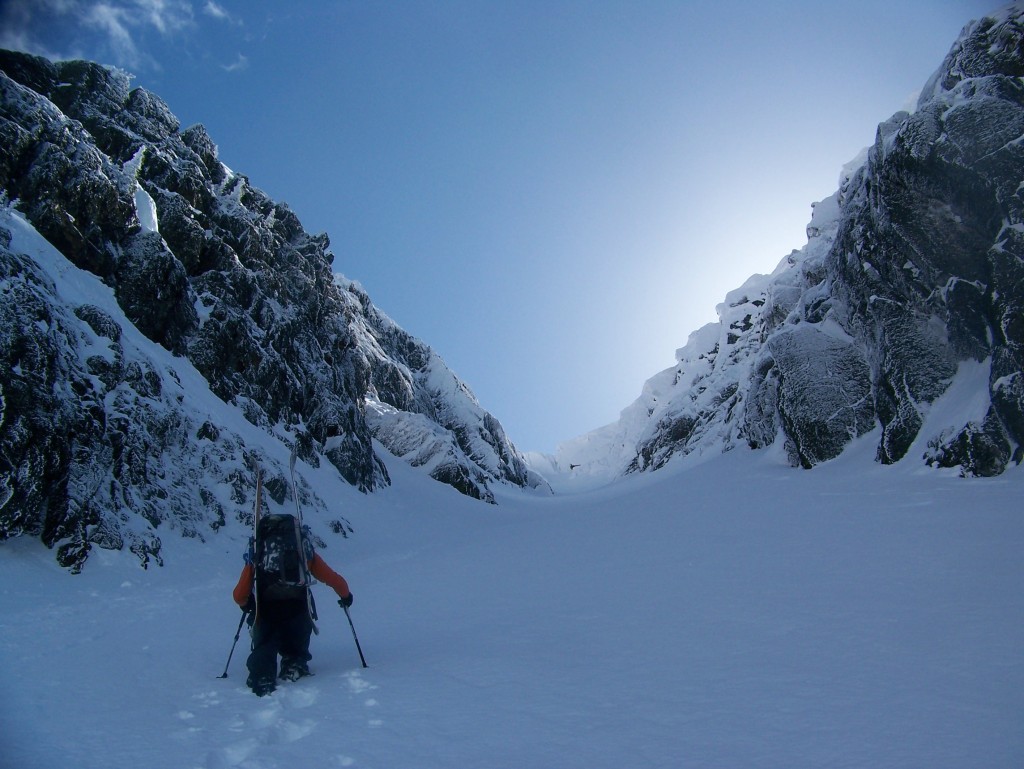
250	605
345	602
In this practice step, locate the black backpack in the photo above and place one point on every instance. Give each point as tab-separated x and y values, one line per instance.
282	553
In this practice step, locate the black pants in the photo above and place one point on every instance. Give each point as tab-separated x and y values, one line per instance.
282	628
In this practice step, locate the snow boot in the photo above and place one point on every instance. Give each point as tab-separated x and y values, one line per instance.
261	687
293	670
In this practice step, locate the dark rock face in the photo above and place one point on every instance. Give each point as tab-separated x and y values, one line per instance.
153	289
92	436
824	392
207	267
928	260
913	271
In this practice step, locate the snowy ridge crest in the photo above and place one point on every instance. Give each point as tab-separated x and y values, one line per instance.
423	413
912	277
204	274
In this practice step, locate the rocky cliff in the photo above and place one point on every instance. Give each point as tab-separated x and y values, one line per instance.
912	281
102	438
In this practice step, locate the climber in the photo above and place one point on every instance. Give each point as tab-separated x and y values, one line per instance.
274	590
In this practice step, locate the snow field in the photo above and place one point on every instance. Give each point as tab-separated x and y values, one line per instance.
737	613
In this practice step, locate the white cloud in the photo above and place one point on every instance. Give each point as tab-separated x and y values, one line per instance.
29	25
111	22
17	40
241	63
216	11
167	16
17	18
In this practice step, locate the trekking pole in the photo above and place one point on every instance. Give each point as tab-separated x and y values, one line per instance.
355	637
233	645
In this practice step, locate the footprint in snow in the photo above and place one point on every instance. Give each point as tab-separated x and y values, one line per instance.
232	755
274	720
264	716
206	699
358	686
356	683
302	696
290	731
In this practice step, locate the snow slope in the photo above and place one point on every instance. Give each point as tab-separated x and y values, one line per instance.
737	613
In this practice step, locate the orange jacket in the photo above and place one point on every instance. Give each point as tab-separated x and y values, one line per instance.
317	567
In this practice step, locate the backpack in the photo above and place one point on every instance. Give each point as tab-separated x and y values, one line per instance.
281	555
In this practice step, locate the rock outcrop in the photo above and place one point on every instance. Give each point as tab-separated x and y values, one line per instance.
913	275
212	271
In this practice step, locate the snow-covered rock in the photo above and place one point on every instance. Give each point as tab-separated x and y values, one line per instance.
914	267
422	412
99	445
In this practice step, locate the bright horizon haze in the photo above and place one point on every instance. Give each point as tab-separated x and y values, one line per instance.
552	195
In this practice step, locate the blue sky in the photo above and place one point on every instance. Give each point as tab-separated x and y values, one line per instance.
554	194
